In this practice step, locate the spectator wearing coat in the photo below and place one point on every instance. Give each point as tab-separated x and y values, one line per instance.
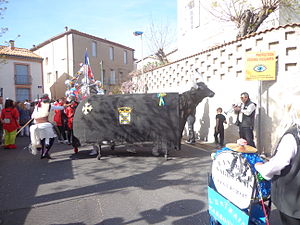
59	122
25	116
9	119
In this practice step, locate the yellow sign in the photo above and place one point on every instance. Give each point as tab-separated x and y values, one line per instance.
124	115
260	66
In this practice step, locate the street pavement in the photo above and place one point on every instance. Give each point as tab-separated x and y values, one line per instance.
124	187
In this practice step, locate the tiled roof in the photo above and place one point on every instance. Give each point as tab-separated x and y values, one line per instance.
72	31
18	52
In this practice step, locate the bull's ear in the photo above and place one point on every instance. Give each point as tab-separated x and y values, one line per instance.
201	85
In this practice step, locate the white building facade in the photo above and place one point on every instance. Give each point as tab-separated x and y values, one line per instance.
110	62
21	73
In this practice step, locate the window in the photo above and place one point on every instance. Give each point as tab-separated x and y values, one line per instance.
125	57
94	48
191	15
22	94
111	53
112	77
22	74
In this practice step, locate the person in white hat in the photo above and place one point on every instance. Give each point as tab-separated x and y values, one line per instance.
284	170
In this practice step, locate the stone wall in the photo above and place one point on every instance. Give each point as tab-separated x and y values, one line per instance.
222	68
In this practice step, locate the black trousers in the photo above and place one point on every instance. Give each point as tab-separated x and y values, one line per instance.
46	148
219	137
247	134
62	133
287	220
72	139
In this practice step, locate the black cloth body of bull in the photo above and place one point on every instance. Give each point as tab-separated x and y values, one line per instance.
136	118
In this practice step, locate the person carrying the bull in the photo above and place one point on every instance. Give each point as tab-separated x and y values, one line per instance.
190	121
42	134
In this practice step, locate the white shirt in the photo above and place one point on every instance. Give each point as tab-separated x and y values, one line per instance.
39	112
249	109
286	151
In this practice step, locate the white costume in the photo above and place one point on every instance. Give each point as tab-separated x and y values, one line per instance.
42	129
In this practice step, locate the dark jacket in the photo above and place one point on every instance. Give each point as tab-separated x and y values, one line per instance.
286	186
248	121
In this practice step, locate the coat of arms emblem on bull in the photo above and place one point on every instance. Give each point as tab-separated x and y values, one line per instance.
137	118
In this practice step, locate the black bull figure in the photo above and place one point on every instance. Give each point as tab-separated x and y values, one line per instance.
136	118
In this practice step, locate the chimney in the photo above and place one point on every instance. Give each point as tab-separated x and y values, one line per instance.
66	28
33	46
12	44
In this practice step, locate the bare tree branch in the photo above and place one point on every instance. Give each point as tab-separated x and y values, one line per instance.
247	16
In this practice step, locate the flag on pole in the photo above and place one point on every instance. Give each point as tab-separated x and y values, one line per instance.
88	66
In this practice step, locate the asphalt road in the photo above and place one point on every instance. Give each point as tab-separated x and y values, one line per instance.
121	188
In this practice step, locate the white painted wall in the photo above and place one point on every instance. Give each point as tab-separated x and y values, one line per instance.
55	60
223	69
7	81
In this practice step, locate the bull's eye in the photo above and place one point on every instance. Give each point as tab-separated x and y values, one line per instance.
260	68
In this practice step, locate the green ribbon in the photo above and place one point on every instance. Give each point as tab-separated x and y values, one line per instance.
260	177
161	99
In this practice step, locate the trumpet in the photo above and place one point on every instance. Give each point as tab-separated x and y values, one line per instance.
232	108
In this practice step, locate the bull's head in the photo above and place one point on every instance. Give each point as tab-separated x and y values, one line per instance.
200	91
190	99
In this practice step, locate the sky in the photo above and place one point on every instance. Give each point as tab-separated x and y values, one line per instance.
38	20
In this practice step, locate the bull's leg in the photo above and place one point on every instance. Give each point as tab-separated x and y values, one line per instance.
99	152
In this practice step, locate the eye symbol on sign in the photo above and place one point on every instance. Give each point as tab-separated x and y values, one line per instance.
87	108
260	68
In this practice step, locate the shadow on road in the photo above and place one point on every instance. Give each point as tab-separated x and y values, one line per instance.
189	209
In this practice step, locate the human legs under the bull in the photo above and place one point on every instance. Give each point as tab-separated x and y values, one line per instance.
75	142
156	146
191	120
69	136
160	144
46	148
62	134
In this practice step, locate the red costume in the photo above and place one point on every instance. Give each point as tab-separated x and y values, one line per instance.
70	112
57	116
9	117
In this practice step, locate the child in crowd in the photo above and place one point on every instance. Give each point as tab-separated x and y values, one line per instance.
219	128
